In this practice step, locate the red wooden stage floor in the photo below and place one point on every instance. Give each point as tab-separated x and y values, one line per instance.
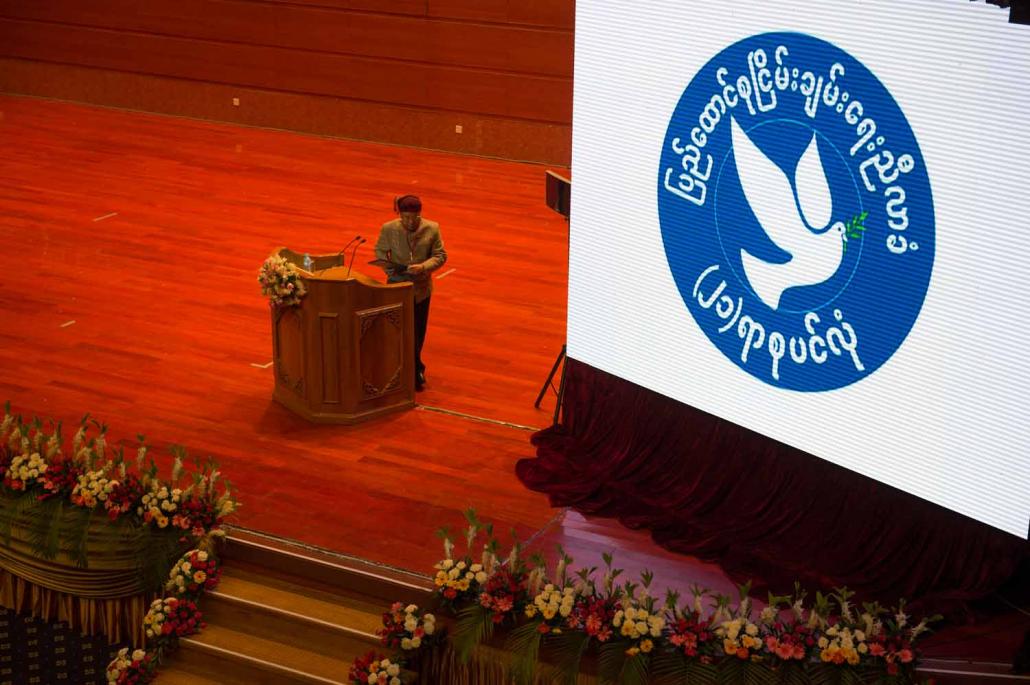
132	243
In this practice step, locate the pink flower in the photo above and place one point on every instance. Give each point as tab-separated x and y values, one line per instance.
876	649
906	656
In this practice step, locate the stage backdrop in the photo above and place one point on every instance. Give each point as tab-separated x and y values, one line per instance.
807	219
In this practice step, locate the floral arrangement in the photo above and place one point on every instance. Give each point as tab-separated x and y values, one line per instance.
88	476
373	669
169	618
172	616
280	282
408	627
639	638
130	669
194	573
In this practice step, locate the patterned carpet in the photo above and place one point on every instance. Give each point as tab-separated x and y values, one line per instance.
39	653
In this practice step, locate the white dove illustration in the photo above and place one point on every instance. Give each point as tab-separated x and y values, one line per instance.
790	214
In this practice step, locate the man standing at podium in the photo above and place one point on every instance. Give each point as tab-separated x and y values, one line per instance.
413	247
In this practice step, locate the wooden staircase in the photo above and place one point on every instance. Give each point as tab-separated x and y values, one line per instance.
283	614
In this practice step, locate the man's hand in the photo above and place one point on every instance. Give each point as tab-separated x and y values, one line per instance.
416	269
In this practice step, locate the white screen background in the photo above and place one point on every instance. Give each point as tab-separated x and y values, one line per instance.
945	417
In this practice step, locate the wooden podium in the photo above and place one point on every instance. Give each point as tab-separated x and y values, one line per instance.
346	353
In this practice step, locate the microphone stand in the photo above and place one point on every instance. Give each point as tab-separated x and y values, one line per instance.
549	383
354	254
338	254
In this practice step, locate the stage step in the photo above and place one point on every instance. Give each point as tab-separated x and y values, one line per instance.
283	615
176	674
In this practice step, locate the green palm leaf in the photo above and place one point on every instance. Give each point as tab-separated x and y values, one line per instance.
670	668
473	628
566	651
524	645
610	661
635	670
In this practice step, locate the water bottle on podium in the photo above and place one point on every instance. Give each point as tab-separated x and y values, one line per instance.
307	262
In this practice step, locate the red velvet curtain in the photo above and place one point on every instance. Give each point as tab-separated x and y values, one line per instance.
760	509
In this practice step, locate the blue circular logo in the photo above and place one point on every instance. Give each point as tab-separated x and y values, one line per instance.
796	212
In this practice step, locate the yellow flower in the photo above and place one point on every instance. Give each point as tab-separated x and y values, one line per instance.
646	646
825	655
199	577
729	646
632	651
530	611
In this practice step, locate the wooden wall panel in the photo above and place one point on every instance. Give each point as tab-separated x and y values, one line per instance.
550	13
468	62
456	43
518	96
410	7
483	135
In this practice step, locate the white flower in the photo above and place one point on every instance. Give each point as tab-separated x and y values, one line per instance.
405	643
410	609
416	642
393	669
139	655
372	679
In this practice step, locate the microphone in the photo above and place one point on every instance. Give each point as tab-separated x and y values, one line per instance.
345	247
354	253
